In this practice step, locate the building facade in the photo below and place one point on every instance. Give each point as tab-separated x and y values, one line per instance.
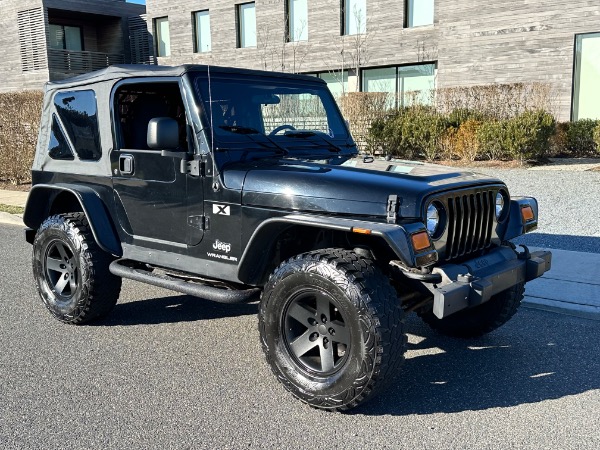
396	46
44	40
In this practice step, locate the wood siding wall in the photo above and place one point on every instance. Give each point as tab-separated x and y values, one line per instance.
105	28
473	41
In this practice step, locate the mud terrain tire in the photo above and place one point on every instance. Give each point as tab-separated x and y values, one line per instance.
331	328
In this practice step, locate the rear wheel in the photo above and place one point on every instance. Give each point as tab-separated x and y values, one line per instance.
71	271
331	328
482	319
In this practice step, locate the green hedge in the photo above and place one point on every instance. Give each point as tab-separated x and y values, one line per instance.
19	121
421	132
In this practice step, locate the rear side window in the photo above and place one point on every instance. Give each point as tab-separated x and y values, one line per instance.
78	114
58	147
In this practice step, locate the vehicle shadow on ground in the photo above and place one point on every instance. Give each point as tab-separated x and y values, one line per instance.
537	356
561	241
173	309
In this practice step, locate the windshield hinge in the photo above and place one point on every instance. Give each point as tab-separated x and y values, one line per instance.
392	209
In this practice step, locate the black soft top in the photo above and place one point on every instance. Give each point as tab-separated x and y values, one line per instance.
143	70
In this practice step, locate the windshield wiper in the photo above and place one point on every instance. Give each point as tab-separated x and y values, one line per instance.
252	131
304	134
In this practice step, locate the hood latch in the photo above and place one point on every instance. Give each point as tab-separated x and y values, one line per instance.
392	209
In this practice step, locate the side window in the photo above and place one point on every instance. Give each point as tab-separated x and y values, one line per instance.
79	115
136	104
58	148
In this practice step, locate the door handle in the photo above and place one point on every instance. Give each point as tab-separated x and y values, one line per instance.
126	164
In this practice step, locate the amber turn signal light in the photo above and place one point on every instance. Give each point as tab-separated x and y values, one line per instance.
420	241
527	213
361	230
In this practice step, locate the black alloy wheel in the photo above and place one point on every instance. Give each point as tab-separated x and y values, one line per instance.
316	332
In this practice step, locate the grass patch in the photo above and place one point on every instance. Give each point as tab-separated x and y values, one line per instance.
11	209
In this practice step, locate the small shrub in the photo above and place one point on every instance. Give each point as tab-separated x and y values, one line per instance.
597	138
411	133
447	144
361	109
460	115
528	135
558	141
580	137
492	137
466	142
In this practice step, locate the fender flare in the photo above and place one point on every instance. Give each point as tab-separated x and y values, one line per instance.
254	259
41	197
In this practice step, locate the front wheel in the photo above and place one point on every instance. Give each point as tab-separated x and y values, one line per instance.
479	320
71	271
331	328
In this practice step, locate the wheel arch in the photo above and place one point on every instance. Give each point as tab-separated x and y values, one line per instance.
46	200
260	252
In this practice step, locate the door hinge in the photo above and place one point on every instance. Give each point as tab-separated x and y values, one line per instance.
190	167
392	209
199	222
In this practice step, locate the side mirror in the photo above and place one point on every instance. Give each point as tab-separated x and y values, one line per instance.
163	134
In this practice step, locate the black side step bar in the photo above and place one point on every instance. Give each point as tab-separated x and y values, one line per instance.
220	295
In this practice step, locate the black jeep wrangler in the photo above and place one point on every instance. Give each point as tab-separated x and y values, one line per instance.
236	185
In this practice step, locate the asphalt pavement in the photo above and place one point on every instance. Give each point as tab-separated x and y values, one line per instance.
172	371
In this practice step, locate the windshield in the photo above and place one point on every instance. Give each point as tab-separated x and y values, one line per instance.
291	115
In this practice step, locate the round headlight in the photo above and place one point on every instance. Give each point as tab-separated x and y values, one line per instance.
433	219
499	205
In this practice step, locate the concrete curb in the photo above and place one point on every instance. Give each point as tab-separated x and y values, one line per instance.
572	286
11	219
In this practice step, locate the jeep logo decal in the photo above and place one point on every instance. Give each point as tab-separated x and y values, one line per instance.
222	246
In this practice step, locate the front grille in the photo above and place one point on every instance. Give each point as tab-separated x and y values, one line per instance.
470	223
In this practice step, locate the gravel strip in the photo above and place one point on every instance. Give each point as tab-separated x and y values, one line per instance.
569	204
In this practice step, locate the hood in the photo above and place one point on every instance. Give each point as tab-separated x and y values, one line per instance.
330	189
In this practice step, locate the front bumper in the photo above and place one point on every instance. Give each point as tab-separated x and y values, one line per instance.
474	282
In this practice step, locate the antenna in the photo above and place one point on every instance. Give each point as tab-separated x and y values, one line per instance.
215	185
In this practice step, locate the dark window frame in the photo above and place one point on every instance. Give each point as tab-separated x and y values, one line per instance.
238	22
156	43
81	35
195	29
406	16
574	71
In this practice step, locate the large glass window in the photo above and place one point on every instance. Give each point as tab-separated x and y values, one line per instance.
416	84
65	37
337	82
412	84
381	80
78	112
419	12
246	25
354	16
586	95
202	31
163	38
297	20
